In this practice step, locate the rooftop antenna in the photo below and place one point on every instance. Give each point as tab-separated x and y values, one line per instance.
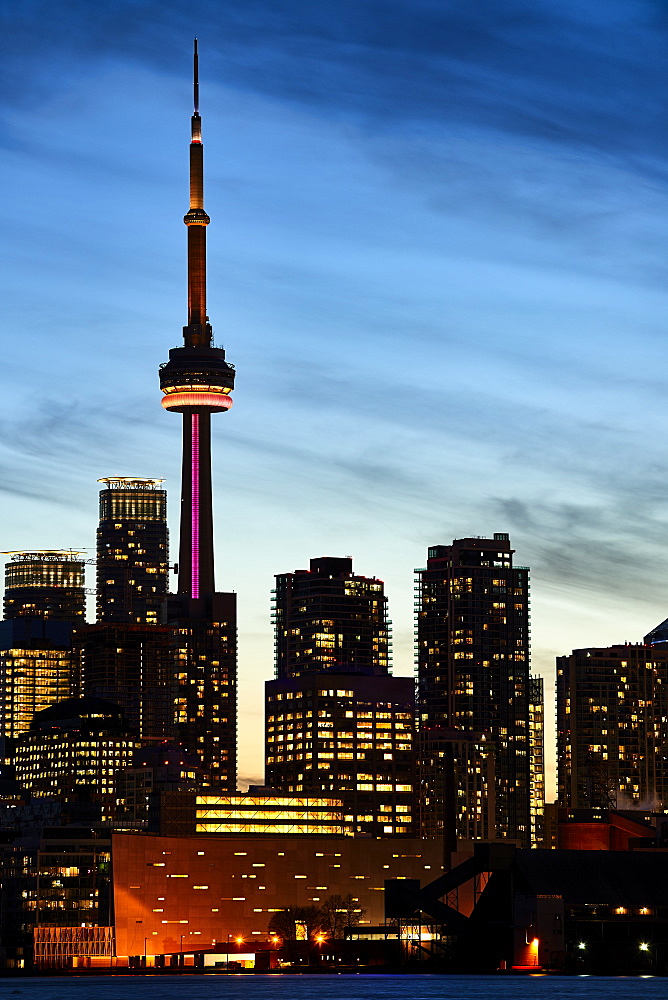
196	79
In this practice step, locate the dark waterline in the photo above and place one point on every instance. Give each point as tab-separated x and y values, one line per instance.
333	987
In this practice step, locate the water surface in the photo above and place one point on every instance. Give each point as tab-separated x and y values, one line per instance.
333	987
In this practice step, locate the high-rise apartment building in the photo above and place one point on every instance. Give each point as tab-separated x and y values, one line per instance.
326	618
196	382
125	657
44	602
337	723
73	750
132	551
132	666
473	676
612	727
456	791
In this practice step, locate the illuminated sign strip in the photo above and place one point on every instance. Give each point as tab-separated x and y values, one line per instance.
195	505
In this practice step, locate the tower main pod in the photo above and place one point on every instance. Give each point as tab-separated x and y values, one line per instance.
196	382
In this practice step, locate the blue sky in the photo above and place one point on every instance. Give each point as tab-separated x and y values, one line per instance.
436	257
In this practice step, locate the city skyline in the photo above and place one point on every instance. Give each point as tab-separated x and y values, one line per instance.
436	257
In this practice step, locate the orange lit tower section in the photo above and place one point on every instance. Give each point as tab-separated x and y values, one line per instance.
196	382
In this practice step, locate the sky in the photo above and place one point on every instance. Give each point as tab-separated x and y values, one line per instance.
436	258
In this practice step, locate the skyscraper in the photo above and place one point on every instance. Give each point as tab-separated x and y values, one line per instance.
612	728
473	674
337	723
44	601
196	382
132	551
326	618
125	657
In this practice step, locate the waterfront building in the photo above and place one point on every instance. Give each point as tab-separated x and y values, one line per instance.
56	900
612	728
472	609
191	891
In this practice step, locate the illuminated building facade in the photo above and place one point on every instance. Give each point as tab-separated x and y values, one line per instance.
189	890
537	756
48	584
44	601
35	672
473	663
73	749
204	658
196	382
612	728
132	551
270	813
349	736
326	618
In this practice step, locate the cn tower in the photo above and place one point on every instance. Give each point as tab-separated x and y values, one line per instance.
196	382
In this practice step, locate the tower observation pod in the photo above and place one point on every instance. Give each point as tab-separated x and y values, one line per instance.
196	382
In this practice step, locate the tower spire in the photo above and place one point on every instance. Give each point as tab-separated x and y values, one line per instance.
195	79
198	331
196	381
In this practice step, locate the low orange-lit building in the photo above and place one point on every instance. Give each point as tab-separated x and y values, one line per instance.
183	894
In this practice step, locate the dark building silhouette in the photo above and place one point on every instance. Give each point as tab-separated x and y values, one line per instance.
196	382
132	666
473	677
326	618
155	771
612	728
132	551
337	723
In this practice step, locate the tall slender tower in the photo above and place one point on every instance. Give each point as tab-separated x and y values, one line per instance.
196	382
